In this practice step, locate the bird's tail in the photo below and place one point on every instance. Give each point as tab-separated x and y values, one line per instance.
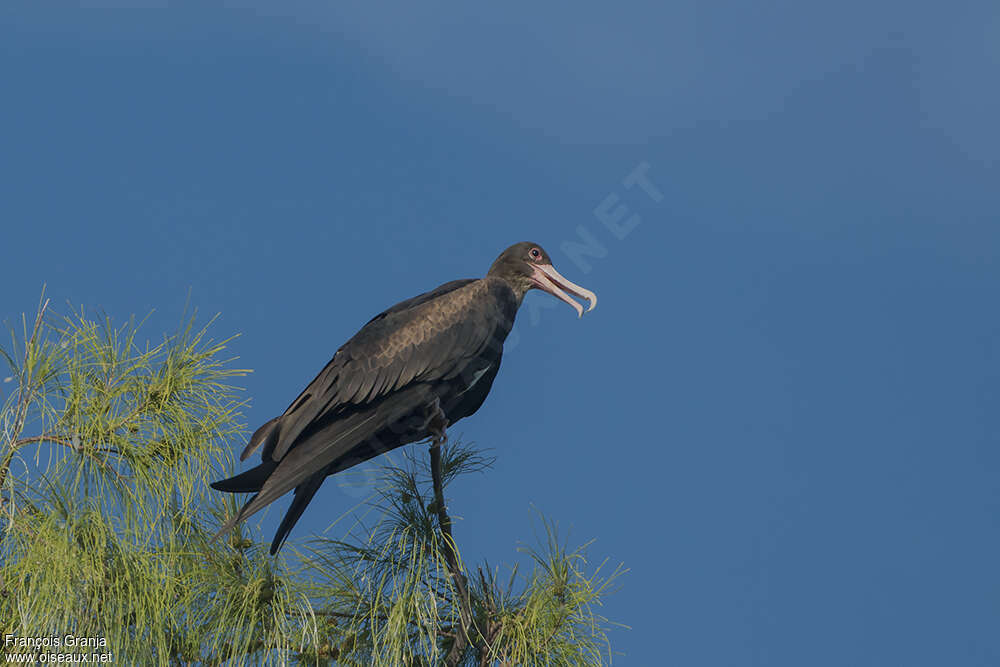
328	447
234	521
303	494
246	482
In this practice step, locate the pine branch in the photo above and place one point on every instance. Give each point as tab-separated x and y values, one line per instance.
451	558
24	393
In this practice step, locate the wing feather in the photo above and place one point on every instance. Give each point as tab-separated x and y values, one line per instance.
421	340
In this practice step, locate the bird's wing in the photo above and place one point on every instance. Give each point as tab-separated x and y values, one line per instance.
424	339
267	435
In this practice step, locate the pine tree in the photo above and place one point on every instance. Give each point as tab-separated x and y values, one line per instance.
107	445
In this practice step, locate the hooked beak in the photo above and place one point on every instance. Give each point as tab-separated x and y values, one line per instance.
547	278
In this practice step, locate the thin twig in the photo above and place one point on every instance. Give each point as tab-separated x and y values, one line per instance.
490	609
451	557
62	441
23	395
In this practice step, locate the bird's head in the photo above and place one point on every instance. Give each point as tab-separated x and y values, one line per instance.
527	266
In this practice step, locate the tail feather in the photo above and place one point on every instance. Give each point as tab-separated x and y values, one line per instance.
266	435
250	481
303	494
337	439
233	521
328	448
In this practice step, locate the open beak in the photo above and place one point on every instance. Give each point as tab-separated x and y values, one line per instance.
547	278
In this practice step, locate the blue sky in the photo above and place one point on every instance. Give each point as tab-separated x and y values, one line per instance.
782	415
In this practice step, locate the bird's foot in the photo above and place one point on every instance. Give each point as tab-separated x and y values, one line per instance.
437	423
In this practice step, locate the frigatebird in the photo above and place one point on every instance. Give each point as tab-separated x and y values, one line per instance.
410	372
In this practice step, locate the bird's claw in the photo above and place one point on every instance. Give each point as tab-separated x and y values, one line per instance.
436	423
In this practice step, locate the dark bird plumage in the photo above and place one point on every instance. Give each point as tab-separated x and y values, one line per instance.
438	352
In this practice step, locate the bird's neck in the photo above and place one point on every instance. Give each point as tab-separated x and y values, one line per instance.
519	289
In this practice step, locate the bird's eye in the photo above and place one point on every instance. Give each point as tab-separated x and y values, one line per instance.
535	253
